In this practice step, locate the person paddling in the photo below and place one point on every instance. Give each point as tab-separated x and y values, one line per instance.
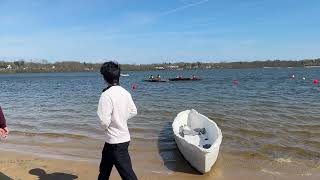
4	131
114	109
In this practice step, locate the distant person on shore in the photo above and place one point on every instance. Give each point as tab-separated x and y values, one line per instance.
114	109
4	131
179	77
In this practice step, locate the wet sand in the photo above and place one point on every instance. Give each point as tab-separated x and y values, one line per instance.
17	165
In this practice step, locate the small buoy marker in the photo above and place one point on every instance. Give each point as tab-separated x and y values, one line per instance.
235	82
134	87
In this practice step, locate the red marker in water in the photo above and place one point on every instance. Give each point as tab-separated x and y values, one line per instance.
134	87
316	81
235	82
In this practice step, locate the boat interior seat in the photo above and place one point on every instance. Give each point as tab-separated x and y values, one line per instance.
186	130
195	136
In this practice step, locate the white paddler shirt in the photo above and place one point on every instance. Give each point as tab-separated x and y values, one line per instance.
114	109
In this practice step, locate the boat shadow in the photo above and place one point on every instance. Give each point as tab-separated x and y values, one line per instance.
170	154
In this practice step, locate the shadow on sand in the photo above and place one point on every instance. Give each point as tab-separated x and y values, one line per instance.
4	177
53	176
170	154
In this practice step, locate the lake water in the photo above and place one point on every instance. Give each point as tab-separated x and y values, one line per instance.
265	115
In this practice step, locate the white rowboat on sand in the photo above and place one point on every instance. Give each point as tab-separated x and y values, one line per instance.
198	139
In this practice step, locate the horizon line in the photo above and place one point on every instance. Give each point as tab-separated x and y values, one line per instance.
45	61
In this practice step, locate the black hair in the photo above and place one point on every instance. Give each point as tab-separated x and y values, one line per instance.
111	72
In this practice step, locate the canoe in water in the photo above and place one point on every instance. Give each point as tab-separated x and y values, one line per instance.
154	80
198	139
184	79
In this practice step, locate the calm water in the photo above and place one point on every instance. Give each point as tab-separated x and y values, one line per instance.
266	115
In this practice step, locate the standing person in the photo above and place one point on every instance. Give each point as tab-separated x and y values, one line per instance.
4	131
115	108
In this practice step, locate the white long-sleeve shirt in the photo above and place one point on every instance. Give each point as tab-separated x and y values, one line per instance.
115	108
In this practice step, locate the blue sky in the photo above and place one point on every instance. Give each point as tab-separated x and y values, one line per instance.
151	31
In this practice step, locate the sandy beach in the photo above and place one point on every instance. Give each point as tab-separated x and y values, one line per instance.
16	165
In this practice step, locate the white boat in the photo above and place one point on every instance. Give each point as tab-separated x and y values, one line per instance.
198	139
124	75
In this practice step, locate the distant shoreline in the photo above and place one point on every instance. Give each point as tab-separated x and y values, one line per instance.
73	66
36	72
39	72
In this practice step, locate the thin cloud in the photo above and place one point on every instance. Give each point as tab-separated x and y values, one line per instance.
171	11
137	19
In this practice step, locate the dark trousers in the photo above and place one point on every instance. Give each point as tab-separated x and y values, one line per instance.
118	155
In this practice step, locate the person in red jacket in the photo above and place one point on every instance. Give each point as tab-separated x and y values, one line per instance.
4	131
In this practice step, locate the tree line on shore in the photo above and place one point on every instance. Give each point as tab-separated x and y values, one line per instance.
22	66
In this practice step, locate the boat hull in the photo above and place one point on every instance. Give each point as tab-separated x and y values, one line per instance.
154	80
184	79
199	158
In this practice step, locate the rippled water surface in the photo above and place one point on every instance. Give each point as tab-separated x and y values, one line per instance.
266	114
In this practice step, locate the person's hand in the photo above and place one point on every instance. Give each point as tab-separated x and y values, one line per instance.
7	130
3	133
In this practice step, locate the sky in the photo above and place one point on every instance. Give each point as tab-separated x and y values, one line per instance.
156	31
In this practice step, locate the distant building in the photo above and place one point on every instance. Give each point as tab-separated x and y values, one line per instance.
9	67
88	69
173	67
159	68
